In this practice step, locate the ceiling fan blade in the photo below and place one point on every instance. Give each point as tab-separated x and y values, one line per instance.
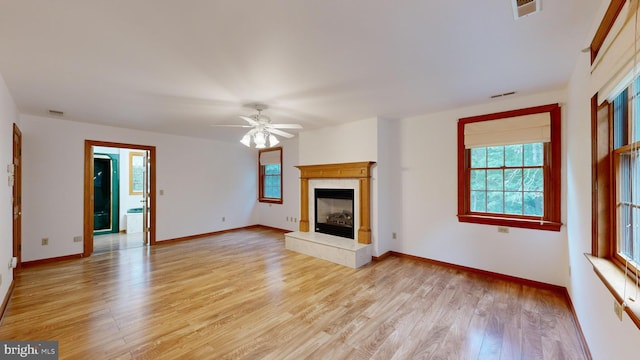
225	125
249	120
285	126
281	133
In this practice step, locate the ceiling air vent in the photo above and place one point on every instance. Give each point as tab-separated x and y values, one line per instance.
522	8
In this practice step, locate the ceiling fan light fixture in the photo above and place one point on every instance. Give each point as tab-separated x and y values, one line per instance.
273	141
262	129
246	140
259	139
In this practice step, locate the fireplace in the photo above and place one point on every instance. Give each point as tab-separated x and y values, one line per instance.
344	202
334	212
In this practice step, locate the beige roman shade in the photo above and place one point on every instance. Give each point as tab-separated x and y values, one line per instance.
613	69
523	129
270	157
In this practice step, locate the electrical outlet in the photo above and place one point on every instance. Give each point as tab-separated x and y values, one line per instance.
45	241
223	219
287	219
394	235
77	239
503	229
617	309
161	192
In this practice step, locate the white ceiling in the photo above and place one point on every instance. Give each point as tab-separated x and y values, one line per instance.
178	66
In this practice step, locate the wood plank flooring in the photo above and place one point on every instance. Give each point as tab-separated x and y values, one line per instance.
241	295
117	241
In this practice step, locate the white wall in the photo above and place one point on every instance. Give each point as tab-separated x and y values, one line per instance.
8	116
350	142
608	338
286	215
202	180
428	195
386	215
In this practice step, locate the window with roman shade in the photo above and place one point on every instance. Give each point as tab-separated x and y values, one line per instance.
615	139
509	168
270	175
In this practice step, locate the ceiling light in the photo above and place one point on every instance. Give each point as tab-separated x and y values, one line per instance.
246	140
259	139
263	130
273	140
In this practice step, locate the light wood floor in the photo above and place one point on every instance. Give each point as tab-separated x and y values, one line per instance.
117	241
242	295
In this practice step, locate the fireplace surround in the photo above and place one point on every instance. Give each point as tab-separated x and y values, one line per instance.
360	171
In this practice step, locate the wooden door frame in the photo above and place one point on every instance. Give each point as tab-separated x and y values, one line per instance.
17	197
88	189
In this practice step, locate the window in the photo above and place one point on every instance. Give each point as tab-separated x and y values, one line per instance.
508	179
626	165
509	168
270	170
615	131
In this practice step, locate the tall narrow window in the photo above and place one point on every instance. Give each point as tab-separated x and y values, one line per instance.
509	168
626	170
270	170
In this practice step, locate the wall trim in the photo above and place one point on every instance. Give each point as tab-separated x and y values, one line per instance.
51	260
199	236
522	281
576	322
609	18
381	257
5	302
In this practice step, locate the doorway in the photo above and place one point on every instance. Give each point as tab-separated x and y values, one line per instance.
16	179
119	202
106	190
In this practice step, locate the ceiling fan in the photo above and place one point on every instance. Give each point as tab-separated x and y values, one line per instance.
262	129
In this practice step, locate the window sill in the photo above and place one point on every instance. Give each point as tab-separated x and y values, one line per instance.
511	222
270	201
614	279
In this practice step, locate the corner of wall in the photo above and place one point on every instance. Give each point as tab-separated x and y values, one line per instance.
8	116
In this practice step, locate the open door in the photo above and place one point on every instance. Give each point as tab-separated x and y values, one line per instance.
146	199
147	188
17	195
